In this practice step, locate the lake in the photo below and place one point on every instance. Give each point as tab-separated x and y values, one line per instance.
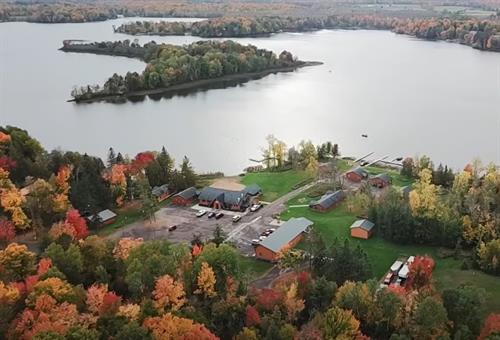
410	96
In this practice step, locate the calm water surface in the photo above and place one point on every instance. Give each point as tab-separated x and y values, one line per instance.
410	96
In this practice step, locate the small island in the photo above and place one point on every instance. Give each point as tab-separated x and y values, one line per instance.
174	68
482	34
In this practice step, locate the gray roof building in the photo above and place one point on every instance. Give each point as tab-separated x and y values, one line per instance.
188	193
360	171
228	197
161	190
363	224
105	215
328	200
286	233
253	189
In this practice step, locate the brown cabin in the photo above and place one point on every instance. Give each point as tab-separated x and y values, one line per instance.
356	175
185	197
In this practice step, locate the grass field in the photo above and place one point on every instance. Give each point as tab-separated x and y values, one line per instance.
336	223
253	268
275	184
397	179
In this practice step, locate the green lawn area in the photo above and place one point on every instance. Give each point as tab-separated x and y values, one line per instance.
275	184
397	179
253	268
336	223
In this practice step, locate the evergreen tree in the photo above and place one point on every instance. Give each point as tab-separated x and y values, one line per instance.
111	157
187	173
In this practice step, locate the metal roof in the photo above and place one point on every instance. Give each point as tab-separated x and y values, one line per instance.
224	196
106	215
360	171
158	191
363	224
253	189
328	199
187	193
285	233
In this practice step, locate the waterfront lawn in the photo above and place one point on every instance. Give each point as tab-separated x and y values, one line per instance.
275	184
336	223
397	179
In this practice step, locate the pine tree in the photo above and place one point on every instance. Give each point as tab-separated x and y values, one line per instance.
187	173
111	157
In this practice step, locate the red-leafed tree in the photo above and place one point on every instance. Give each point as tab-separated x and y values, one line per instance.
268	298
7	163
252	317
110	303
141	160
491	326
79	224
420	274
7	232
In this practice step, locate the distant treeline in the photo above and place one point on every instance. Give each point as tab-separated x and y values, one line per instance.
170	65
481	34
61	11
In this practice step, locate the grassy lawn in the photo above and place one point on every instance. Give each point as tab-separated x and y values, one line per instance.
397	178
336	223
252	267
275	184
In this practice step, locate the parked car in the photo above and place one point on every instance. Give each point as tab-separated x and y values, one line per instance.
255	242
172	228
255	207
236	218
271	230
364	163
211	214
219	215
265	233
201	213
262	237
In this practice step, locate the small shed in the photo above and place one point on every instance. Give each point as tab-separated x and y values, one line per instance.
362	229
185	197
104	217
287	236
381	180
328	201
161	192
356	175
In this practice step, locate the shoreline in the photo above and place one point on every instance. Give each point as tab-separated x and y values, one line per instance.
197	84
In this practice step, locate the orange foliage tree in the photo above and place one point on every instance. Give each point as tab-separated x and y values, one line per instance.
125	245
116	176
61	185
206	281
46	316
168	293
12	201
169	327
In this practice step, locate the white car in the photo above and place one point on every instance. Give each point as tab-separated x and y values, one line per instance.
255	207
201	213
236	218
255	242
262	238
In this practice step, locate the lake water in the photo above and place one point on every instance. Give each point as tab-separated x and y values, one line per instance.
410	96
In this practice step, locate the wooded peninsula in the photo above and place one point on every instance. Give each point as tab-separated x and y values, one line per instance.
172	67
480	34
